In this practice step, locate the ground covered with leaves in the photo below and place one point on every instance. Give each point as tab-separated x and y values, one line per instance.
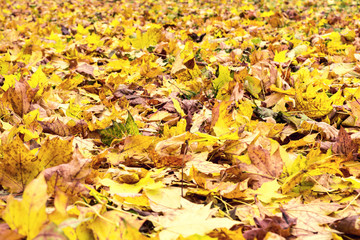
179	119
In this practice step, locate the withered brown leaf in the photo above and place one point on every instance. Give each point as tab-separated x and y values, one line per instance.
344	145
261	158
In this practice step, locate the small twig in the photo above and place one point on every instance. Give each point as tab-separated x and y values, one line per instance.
97	213
260	174
357	196
182	167
326	190
226	205
357	100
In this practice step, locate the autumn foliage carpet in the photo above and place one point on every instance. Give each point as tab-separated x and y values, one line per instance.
179	119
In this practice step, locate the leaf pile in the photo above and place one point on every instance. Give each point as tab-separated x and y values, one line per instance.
179	119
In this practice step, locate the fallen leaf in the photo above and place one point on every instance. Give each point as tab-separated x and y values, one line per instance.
69	177
189	221
28	215
7	233
261	158
19	97
275	224
344	145
85	69
348	225
114	225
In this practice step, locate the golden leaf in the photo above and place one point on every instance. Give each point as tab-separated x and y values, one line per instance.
28	216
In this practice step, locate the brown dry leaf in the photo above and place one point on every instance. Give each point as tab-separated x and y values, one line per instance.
168	152
69	177
263	168
327	131
243	171
278	225
344	145
276	20
355	110
267	164
8	234
168	160
311	217
19	97
348	225
85	69
79	128
71	128
56	127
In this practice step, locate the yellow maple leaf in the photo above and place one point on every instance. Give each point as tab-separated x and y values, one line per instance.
38	79
281	57
19	165
114	225
149	68
269	191
224	77
222	120
145	183
191	219
17	159
313	107
176	130
54	152
28	216
149	38
244	112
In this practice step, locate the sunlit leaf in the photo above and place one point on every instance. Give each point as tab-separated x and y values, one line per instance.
178	107
281	57
130	125
224	77
114	225
144	40
28	215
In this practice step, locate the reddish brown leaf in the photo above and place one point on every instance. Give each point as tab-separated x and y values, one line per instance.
69	177
344	146
19	97
8	234
85	69
261	158
56	127
279	225
348	225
